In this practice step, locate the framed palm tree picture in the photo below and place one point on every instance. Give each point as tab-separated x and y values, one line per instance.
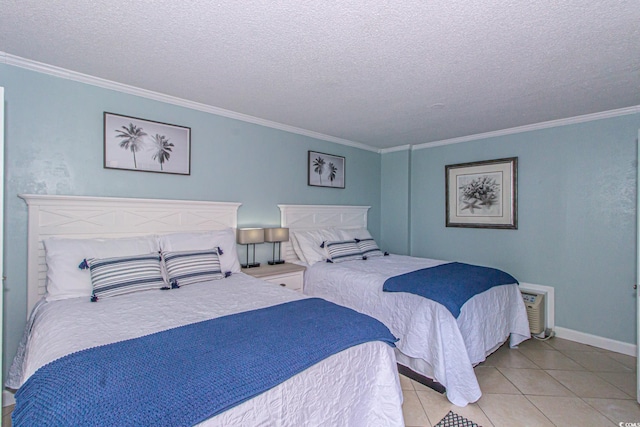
325	170
143	145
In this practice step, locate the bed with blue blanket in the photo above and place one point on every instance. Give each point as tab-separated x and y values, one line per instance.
236	351
138	313
448	316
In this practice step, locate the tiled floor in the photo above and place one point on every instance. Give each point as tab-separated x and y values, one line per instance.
542	383
551	383
6	416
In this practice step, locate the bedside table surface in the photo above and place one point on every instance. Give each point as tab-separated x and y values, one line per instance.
273	270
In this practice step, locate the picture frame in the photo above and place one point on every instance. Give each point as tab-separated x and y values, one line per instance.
131	143
325	170
482	194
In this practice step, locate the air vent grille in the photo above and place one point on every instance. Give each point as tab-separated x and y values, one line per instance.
535	311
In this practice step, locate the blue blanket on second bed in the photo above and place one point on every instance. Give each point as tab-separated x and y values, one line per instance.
182	376
450	284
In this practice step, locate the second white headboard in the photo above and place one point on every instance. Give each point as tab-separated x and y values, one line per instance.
309	217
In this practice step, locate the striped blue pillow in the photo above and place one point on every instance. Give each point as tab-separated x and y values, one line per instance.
123	275
187	267
369	248
343	251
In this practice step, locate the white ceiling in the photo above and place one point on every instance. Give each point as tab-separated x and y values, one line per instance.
380	73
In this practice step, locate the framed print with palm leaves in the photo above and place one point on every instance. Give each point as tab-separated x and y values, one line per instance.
325	170
144	145
482	194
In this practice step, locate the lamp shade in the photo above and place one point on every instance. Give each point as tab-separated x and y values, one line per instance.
276	234
246	236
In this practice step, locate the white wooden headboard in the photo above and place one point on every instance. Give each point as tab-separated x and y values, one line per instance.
110	217
309	217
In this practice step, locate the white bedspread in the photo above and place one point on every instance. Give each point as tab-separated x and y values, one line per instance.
440	346
358	386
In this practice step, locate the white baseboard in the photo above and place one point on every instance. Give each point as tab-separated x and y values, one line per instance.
570	334
596	341
7	398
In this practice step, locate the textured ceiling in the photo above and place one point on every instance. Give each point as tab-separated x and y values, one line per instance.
380	73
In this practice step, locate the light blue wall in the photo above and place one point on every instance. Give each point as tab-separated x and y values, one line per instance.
576	218
576	192
54	146
395	202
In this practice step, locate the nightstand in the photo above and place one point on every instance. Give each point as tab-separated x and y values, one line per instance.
288	275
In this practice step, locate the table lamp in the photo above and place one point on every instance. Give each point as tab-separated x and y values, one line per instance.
276	236
250	236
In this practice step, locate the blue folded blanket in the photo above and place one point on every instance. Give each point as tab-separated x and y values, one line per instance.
450	284
182	376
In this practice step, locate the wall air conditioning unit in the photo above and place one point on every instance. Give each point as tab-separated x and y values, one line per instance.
535	311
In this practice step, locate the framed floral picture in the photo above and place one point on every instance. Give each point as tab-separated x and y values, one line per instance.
144	145
482	194
325	170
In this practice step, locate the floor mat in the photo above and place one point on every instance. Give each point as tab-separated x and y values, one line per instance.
454	420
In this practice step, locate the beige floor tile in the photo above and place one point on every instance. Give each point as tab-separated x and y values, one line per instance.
414	415
534	344
509	358
511	410
569	411
535	382
552	359
596	361
587	384
419	386
623	380
502	349
618	411
628	361
437	406
6	415
566	345
492	381
406	383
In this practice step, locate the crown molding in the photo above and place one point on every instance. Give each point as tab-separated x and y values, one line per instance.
536	126
52	70
63	73
393	149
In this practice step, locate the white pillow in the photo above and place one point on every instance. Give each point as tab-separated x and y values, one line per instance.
63	256
310	242
224	239
354	233
296	247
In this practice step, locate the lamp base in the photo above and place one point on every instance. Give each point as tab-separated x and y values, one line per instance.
252	265
276	262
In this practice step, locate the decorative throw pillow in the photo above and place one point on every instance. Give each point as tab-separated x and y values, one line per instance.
342	251
66	280
310	242
122	275
369	248
224	239
187	267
